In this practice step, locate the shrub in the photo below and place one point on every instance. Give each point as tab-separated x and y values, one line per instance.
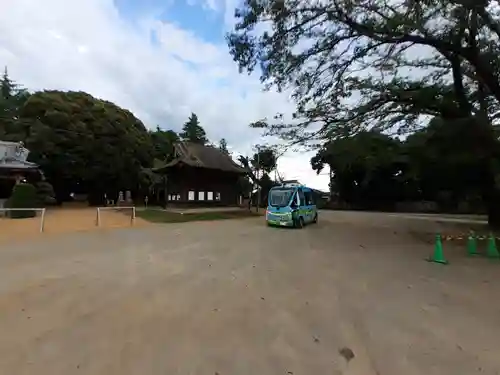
23	196
45	193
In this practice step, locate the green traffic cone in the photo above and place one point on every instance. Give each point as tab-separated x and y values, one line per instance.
438	256
472	245
492	251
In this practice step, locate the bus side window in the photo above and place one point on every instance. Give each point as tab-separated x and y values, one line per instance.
309	198
302	198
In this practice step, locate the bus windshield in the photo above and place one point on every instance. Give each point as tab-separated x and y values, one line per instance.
280	197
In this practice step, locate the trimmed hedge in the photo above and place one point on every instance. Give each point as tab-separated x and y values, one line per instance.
45	193
23	196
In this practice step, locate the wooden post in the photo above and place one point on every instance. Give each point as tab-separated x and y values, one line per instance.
165	192
132	217
42	221
98	218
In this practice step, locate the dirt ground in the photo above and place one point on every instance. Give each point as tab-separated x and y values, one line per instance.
64	221
236	297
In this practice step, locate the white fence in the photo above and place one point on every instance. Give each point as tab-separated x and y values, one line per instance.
41	213
98	219
41	210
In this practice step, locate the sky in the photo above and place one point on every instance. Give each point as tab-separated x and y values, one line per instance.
160	59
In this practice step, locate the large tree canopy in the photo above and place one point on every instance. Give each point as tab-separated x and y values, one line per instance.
355	64
264	159
371	64
83	143
373	170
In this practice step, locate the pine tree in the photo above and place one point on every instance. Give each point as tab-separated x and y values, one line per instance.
193	132
223	146
7	86
12	98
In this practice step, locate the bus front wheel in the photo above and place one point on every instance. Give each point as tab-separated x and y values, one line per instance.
299	222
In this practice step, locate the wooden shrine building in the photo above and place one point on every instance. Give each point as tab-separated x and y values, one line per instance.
201	176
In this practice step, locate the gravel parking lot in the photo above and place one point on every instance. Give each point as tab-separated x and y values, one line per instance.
236	297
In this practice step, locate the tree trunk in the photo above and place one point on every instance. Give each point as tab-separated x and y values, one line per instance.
494	211
491	197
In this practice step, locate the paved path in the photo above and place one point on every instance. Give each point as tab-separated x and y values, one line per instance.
236	297
462	219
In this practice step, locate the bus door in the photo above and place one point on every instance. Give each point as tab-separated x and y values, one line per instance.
309	206
303	208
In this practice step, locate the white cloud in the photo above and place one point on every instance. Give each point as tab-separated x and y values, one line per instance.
293	167
86	45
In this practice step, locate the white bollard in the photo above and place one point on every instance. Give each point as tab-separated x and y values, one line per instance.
132	218
42	221
98	218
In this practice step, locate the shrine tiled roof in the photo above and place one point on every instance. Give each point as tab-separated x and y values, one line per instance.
201	156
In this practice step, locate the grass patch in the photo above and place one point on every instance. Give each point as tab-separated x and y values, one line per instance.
159	216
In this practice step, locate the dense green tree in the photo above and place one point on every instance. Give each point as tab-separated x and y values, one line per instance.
258	173
264	159
45	193
245	163
163	143
265	183
84	144
193	132
373	170
367	168
244	186
446	166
